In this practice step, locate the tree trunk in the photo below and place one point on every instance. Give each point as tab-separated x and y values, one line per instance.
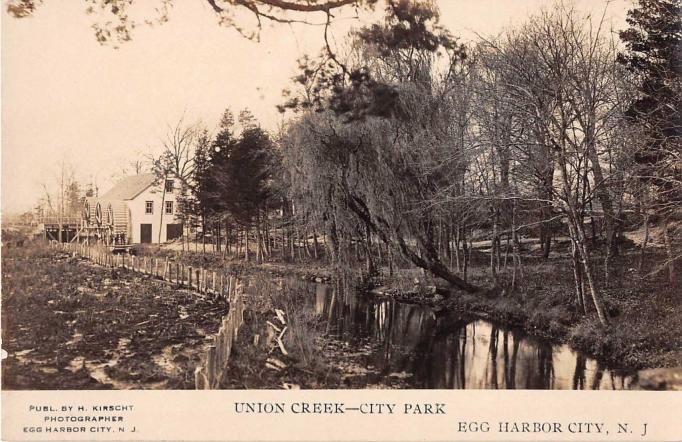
315	246
644	242
371	267
246	244
493	242
602	192
546	193
669	252
259	247
578	233
457	260
577	276
516	253
163	199
219	238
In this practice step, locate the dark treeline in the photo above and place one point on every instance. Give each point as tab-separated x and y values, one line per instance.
405	146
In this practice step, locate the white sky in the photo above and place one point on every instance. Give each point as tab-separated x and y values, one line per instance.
65	97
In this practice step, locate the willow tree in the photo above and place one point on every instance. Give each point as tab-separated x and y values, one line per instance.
380	149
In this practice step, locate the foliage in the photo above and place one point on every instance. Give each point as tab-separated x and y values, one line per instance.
115	20
653	43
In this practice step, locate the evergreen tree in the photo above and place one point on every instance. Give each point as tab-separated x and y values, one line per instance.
654	55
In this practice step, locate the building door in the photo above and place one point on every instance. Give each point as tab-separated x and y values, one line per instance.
173	231
145	233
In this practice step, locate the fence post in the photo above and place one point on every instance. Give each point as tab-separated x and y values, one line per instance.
213	283
198	273
189	278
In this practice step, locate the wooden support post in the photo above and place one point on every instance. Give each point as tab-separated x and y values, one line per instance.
177	273
198	272
213	283
156	267
189	277
165	269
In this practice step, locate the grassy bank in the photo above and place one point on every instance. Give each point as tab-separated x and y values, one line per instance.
645	313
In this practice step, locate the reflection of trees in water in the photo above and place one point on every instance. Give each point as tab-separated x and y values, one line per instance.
492	351
462	358
510	362
545	368
446	352
598	375
579	375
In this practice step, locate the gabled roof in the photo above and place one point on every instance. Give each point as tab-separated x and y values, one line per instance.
129	187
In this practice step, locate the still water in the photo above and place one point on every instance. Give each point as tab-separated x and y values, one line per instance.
442	351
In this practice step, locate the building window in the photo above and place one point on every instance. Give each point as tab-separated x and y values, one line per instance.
149	207
169	207
169	186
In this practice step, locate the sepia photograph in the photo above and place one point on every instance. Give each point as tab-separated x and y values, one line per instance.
341	194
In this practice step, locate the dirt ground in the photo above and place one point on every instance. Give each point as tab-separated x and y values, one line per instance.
69	324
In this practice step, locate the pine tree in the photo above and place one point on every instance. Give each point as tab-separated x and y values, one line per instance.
654	56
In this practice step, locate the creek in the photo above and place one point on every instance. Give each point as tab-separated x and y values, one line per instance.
424	348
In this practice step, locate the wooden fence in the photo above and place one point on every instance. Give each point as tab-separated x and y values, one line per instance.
192	278
210	373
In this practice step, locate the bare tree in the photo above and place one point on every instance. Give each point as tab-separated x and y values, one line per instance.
176	160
